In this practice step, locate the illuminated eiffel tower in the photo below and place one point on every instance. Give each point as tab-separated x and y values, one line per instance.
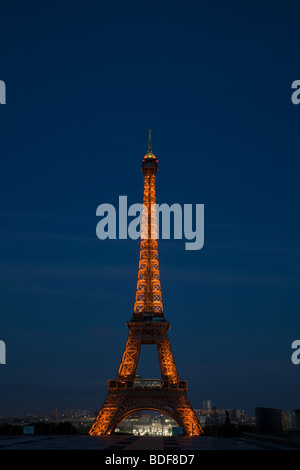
127	393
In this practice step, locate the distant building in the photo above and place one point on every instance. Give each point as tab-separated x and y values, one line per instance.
234	415
149	423
297	420
268	420
207	404
276	421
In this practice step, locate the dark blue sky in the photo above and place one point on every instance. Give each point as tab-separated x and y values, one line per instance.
84	82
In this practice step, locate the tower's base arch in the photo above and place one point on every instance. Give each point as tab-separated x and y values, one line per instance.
121	402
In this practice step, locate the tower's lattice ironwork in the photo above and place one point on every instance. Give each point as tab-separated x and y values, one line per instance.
127	393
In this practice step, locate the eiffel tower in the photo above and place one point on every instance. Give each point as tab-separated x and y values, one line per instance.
128	393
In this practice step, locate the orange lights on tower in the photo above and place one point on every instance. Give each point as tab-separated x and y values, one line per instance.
147	326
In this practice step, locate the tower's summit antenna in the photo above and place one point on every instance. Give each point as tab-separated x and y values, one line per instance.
150	143
150	160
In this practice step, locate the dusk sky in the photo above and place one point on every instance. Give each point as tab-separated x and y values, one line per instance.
85	80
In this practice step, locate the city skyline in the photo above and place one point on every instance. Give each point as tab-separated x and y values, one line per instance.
83	86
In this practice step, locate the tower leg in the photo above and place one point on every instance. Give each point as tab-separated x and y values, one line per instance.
130	359
102	424
188	417
166	360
